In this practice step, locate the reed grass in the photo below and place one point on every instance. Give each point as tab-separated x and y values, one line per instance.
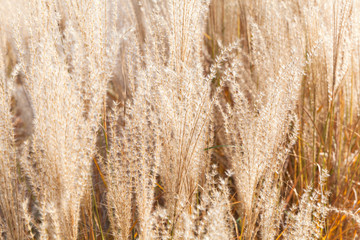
193	119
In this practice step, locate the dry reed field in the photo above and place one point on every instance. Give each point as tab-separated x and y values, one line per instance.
179	119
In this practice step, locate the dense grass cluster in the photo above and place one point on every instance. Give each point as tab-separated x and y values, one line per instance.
169	119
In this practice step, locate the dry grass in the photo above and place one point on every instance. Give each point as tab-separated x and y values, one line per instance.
194	119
